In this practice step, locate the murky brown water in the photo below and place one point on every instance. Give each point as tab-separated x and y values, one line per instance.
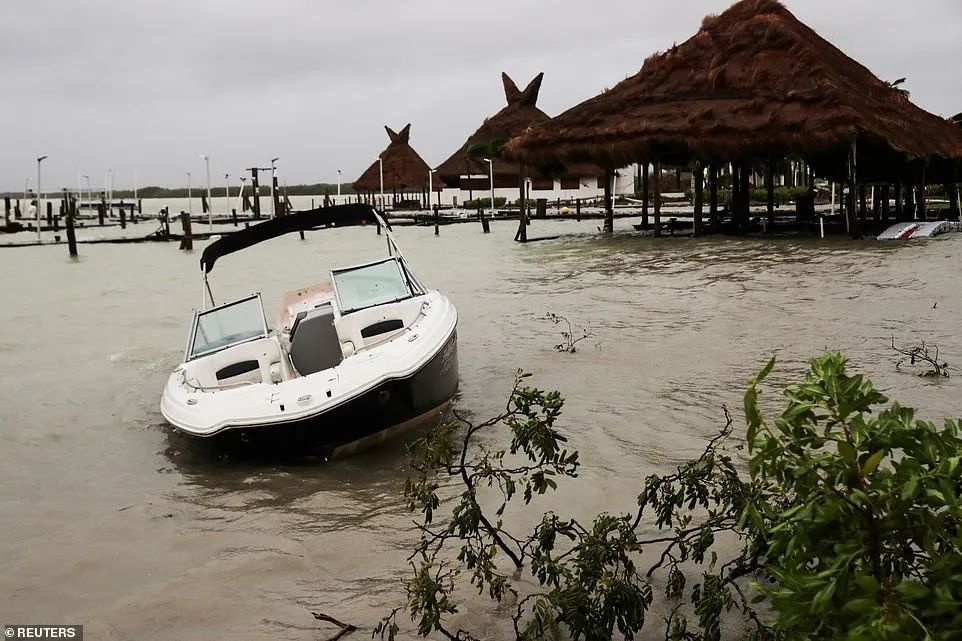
110	520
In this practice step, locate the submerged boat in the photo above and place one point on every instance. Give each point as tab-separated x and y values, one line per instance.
350	360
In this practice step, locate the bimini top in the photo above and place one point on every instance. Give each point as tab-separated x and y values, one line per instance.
336	216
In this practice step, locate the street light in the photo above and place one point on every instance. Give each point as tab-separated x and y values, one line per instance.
210	205
39	198
227	191
273	181
190	206
338	187
491	177
380	162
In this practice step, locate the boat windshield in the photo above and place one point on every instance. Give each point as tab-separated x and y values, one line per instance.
227	325
371	285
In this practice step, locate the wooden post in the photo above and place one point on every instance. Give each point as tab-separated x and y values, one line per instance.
609	203
69	221
437	229
644	196
485	227
578	209
953	201
49	214
657	199
920	198
6	211
746	194
522	234
911	213
886	208
876	208
187	240
862	205
541	208
854	230
899	201
101	212
255	195
698	185
770	188
123	218
713	195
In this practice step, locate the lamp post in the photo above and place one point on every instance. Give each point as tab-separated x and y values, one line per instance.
491	179
210	205
380	162
227	191
273	181
338	187
240	194
39	198
190	206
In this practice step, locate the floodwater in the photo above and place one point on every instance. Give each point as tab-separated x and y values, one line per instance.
111	520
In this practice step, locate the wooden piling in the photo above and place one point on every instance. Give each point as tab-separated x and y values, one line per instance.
204	206
578	209
49	214
187	240
6	211
770	189
713	196
521	235
256	195
886	208
698	187
541	208
657	199
69	216
609	203
123	218
437	222
233	215
854	230
485	227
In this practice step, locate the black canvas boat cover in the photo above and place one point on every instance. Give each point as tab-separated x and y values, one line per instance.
335	216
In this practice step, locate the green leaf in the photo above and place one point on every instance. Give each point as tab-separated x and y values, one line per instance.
872	462
847	451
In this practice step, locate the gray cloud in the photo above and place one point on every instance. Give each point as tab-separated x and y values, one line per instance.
145	85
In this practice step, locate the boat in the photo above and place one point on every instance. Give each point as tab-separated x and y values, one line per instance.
350	360
919	229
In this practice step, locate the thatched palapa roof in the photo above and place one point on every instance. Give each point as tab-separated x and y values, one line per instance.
403	167
520	113
753	83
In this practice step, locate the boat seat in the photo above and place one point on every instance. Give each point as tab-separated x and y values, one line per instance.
314	342
366	327
250	362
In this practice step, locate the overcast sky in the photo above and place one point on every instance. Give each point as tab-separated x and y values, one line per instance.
145	86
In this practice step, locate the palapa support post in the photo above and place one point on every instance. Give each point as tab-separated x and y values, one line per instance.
877	209
862	205
521	235
698	185
437	229
953	201
187	238
920	200
657	199
851	206
899	201
744	189
770	191
609	203
886	208
713	195
69	222
644	196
